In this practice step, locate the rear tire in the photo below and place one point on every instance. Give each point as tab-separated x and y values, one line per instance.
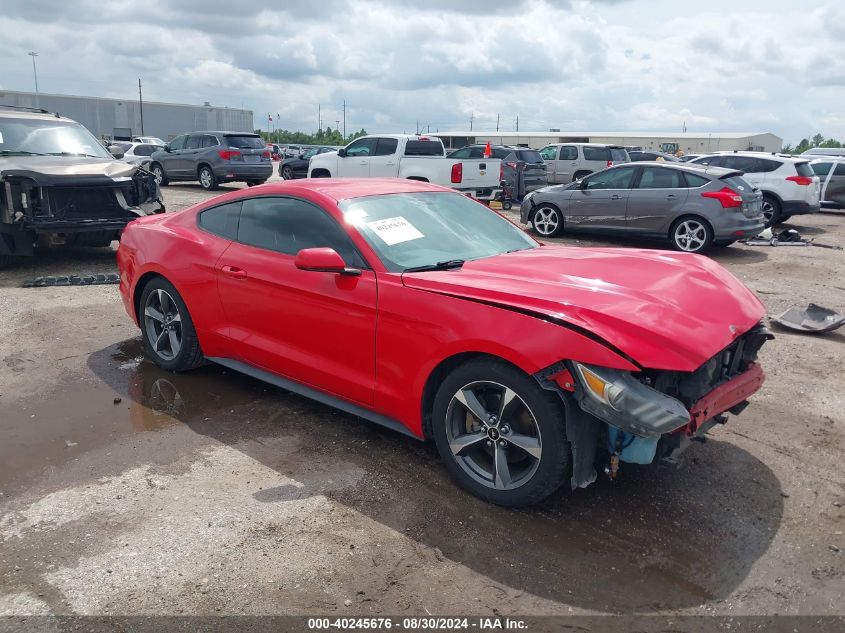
518	453
547	220
507	205
691	234
771	210
208	180
286	172
167	330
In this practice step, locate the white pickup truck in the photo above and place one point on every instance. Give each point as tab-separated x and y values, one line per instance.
409	156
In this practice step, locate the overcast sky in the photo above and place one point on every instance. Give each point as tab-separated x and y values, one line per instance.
601	65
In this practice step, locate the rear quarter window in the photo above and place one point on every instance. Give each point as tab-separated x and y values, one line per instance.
596	153
694	180
803	169
222	220
766	165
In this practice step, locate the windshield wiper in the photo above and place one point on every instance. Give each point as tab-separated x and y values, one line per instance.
444	265
71	154
9	152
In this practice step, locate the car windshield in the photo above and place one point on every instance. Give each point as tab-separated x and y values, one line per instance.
310	153
50	138
408	230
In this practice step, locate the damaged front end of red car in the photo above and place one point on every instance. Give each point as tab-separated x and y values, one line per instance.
640	417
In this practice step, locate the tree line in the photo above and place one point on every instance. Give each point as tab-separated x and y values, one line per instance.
808	143
321	137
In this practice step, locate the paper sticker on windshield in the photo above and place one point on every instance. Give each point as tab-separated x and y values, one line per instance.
395	230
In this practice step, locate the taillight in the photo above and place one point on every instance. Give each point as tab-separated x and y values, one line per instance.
501	172
800	180
457	172
728	198
266	154
228	154
609	163
511	165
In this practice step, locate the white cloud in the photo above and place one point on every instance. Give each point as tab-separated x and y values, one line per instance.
626	65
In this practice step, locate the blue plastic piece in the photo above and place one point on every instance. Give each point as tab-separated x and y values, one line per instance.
634	450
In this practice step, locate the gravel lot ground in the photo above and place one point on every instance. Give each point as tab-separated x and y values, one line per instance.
128	490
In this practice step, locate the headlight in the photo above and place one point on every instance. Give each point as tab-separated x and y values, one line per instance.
621	400
528	196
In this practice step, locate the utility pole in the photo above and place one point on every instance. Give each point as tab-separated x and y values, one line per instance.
497	121
428	129
141	103
418	126
337	124
319	118
471	117
517	123
33	54
344	120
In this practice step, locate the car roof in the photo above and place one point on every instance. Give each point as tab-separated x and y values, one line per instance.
613	145
222	133
717	172
28	114
346	188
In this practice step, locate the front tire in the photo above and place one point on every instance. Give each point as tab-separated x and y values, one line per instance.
208	180
691	234
287	172
500	435
158	172
547	220
167	330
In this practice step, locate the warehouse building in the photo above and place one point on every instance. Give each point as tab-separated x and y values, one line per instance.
120	119
687	142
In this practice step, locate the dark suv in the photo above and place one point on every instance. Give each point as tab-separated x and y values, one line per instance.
523	169
213	158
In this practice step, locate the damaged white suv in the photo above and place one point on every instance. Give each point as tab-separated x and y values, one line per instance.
58	181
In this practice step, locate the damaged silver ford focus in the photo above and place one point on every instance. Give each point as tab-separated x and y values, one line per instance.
59	185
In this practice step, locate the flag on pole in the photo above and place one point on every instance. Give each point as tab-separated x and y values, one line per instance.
270	118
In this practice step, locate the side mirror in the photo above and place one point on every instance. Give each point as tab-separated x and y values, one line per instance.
166	148
326	260
302	155
342	152
116	151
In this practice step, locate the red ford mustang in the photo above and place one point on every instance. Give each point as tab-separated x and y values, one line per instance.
411	305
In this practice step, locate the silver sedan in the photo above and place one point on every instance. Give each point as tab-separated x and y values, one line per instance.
692	207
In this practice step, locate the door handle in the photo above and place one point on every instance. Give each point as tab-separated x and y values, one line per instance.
363	162
390	164
615	196
233	271
671	196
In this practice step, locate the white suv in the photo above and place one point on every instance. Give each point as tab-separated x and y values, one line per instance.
788	184
567	162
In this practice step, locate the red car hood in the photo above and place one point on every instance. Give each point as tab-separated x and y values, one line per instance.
665	310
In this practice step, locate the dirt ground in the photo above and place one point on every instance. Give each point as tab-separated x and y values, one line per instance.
128	490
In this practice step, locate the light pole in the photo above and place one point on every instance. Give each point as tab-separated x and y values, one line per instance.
33	54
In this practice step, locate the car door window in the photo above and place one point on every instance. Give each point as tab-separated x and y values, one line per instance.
501	154
386	147
840	169
713	161
821	169
660	178
222	220
610	179
194	141
548	153
178	143
362	147
694	180
569	152
464	152
287	225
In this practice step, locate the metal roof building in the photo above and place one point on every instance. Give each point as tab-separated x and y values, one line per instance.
121	118
688	142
